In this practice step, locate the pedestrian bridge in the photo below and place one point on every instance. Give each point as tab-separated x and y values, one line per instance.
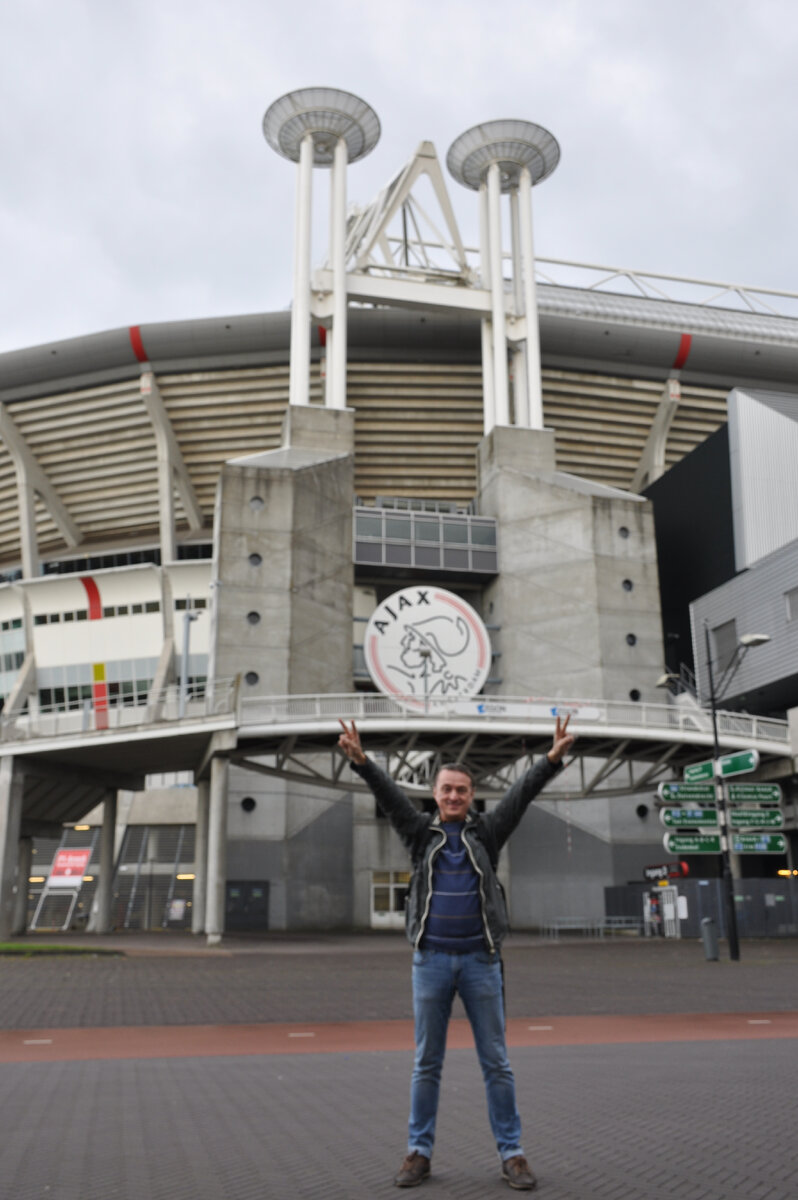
621	746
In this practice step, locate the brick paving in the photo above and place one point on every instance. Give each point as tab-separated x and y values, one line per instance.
699	1120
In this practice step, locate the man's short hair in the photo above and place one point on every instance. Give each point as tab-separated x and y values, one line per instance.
461	767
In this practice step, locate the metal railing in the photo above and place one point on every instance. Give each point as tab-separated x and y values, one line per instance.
121	712
278	710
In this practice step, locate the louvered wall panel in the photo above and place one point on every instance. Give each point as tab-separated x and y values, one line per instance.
417	427
97	448
218	415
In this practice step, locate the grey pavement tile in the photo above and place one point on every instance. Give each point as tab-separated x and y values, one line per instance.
369	979
602	1123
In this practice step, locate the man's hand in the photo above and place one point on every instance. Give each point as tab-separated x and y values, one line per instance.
349	742
562	743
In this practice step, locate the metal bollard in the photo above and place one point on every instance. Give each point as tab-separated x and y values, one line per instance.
709	936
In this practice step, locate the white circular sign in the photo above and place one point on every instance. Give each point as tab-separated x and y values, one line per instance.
425	645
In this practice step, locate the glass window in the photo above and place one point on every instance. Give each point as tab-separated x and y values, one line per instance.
69	616
368	552
484	560
398	556
368	526
428	531
455	560
152	606
724	638
397	527
792	604
483	535
82	614
109	611
137	608
40	619
455	531
428	556
382	899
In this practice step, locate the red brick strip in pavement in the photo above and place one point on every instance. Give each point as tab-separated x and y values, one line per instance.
208	1041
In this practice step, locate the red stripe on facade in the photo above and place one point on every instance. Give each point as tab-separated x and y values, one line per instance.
322	336
684	350
93	596
137	344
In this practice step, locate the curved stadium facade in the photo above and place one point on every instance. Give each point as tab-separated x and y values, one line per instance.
116	519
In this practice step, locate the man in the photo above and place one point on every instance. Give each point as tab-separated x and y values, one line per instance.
456	919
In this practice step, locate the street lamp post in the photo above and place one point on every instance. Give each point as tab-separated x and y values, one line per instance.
720	797
743	645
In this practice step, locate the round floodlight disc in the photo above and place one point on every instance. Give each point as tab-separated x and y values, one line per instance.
327	114
512	144
426	647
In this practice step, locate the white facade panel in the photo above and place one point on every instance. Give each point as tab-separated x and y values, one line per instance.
763	449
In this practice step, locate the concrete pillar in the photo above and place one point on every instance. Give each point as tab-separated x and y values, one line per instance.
11	794
568	550
104	894
199	899
217	852
24	863
283	561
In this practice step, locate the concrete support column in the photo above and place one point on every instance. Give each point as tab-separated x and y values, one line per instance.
217	852
104	895
199	900
519	371
24	863
336	362
488	398
299	376
534	388
500	381
28	543
11	793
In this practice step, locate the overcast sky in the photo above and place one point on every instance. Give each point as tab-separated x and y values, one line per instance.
136	185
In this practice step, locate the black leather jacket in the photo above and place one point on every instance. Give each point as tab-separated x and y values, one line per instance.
483	837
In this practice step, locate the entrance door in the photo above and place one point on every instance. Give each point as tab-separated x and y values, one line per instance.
247	907
388	894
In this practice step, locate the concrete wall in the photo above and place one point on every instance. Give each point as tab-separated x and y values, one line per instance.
284	622
565	549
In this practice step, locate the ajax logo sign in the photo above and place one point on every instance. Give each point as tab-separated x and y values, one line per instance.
424	645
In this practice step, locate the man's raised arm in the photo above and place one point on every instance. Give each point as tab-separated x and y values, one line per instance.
404	816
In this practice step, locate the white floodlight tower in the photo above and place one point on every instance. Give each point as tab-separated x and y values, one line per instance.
511	157
320	127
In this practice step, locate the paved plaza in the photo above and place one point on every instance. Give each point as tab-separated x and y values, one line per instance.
280	1068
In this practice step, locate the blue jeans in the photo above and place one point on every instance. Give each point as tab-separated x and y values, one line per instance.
477	977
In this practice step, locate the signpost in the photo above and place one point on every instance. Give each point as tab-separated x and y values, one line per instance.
687	793
739	763
754	793
758	843
756	818
676	818
692	843
739	818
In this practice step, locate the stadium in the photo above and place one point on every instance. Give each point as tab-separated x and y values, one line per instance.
215	508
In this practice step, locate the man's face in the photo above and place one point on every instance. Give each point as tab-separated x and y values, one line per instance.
453	793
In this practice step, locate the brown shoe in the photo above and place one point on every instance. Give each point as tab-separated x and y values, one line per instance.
518	1173
413	1171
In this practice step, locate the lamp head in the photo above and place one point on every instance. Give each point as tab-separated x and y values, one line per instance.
754	639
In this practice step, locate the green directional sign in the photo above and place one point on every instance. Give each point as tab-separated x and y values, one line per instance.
687	793
759	843
738	764
698	771
756	818
677	818
692	843
754	793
